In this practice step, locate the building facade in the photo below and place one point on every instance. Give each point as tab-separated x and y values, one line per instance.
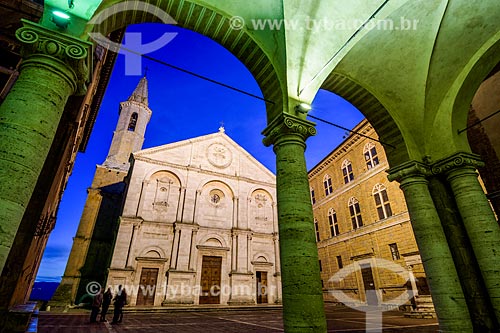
363	229
192	222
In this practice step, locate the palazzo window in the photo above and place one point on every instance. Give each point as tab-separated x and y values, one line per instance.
327	184
313	197
394	251
316	228
370	153
334	224
347	172
382	201
339	262
133	122
355	211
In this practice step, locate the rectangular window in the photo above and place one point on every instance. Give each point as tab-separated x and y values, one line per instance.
320	266
339	262
394	251
313	197
317	231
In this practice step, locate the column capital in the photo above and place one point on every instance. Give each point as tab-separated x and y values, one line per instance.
460	160
60	53
410	169
287	124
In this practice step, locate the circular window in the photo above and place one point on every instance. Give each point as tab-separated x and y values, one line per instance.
215	197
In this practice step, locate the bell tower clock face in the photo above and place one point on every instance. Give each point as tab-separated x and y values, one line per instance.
219	155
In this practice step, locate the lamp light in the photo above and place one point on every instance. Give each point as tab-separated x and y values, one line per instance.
60	19
303	108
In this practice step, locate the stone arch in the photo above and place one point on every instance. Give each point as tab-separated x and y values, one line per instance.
217	184
210	236
215	24
479	69
159	174
384	124
261	257
152	251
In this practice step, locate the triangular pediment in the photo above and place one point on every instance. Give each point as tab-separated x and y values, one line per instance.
215	152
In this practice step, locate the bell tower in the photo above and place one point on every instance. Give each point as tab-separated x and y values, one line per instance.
129	133
93	243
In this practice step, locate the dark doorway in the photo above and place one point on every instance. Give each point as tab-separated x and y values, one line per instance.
369	283
210	280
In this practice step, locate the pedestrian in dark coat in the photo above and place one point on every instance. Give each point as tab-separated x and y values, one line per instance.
120	301
96	304
106	301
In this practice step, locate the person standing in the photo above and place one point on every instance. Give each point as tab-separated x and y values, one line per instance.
120	301
106	301
96	304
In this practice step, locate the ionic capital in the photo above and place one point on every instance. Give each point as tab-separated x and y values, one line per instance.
285	125
460	160
66	55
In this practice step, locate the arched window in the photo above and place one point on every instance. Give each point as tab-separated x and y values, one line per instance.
327	183
334	224
347	171
316	228
133	122
370	153
382	201
313	197
355	212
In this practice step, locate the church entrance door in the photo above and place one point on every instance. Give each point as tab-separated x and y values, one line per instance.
210	280
147	286
261	287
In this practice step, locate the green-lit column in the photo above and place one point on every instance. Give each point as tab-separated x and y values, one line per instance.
54	67
478	218
303	309
447	294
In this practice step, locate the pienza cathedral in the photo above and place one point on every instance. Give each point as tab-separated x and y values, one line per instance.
191	222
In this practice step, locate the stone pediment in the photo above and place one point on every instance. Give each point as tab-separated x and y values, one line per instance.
214	152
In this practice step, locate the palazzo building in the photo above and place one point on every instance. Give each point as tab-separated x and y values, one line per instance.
362	224
198	224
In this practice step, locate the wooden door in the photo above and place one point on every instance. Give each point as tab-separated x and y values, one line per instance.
369	283
210	280
261	287
147	286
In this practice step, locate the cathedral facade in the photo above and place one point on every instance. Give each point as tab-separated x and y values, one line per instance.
196	223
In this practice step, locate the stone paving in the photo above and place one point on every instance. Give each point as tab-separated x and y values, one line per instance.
339	320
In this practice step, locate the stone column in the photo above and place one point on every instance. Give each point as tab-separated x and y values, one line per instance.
54	67
478	218
303	309
447	294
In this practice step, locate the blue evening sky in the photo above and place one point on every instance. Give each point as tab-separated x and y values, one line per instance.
184	107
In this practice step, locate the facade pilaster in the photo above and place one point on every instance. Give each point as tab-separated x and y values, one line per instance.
301	282
479	220
54	67
447	294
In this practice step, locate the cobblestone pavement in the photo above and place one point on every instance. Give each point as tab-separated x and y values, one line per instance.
339	320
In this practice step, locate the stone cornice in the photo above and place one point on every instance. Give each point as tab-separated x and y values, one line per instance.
458	160
73	52
288	124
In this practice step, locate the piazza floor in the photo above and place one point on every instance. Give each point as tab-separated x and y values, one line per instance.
340	319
